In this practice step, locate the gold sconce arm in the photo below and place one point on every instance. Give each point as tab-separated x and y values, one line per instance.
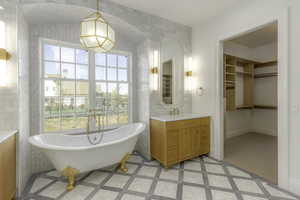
154	70
189	73
4	55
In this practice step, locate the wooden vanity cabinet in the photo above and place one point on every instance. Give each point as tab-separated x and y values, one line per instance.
176	141
8	168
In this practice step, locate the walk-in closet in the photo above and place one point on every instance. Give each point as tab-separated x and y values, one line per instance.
250	101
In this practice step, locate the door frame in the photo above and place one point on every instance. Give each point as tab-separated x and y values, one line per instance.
283	98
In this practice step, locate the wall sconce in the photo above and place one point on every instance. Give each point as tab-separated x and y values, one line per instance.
4	56
189	75
154	70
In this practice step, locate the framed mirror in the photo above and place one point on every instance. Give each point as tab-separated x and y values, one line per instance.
171	71
167	82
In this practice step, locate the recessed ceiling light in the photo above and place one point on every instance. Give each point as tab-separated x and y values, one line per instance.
1	8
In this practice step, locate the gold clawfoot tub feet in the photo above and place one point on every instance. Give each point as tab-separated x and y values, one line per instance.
70	173
123	167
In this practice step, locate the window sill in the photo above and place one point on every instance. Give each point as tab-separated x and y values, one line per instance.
83	131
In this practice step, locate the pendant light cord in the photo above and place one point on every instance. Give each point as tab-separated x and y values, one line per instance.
98	6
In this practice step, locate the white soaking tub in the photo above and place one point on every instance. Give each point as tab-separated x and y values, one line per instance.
76	152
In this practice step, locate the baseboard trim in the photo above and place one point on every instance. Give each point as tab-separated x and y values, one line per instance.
265	131
235	133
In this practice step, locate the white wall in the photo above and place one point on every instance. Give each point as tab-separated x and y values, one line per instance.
24	150
248	15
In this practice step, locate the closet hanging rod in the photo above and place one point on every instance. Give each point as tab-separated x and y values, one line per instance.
264	75
266	64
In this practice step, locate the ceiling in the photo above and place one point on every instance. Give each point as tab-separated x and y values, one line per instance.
187	12
261	37
50	13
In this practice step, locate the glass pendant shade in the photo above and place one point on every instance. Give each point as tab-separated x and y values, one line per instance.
97	34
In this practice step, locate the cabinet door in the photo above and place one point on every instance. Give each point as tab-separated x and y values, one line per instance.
8	169
205	140
185	143
2	181
172	146
196	138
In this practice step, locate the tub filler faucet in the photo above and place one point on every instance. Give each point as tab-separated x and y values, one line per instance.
92	119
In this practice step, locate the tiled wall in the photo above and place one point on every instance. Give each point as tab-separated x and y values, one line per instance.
14	98
9	93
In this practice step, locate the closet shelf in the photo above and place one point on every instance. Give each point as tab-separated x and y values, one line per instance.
268	107
227	73
229	65
264	75
245	73
266	64
240	107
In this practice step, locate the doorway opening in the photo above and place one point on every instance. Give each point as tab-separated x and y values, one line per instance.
250	92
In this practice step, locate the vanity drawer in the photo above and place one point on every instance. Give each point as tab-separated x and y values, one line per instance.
174	125
191	122
205	121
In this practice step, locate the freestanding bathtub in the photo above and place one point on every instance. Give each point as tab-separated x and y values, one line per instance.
75	151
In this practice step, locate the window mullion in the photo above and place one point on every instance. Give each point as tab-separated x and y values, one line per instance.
92	81
60	92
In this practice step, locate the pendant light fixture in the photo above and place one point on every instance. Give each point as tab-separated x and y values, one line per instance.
96	34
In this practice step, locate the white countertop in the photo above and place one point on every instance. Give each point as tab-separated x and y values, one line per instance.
169	118
6	134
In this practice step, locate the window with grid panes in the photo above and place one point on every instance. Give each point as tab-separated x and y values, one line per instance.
112	87
66	88
66	82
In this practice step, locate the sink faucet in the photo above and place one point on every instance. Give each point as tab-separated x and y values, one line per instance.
175	111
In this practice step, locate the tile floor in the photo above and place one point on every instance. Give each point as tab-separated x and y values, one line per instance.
202	178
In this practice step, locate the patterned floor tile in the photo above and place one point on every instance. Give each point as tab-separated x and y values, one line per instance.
147	171
135	159
222	195
236	172
54	190
141	185
193	177
132	197
193	193
248	197
277	193
96	177
214	168
54	173
153	163
207	159
131	168
166	189
117	181
149	180
78	193
192	165
39	183
247	186
219	181
105	195
169	174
